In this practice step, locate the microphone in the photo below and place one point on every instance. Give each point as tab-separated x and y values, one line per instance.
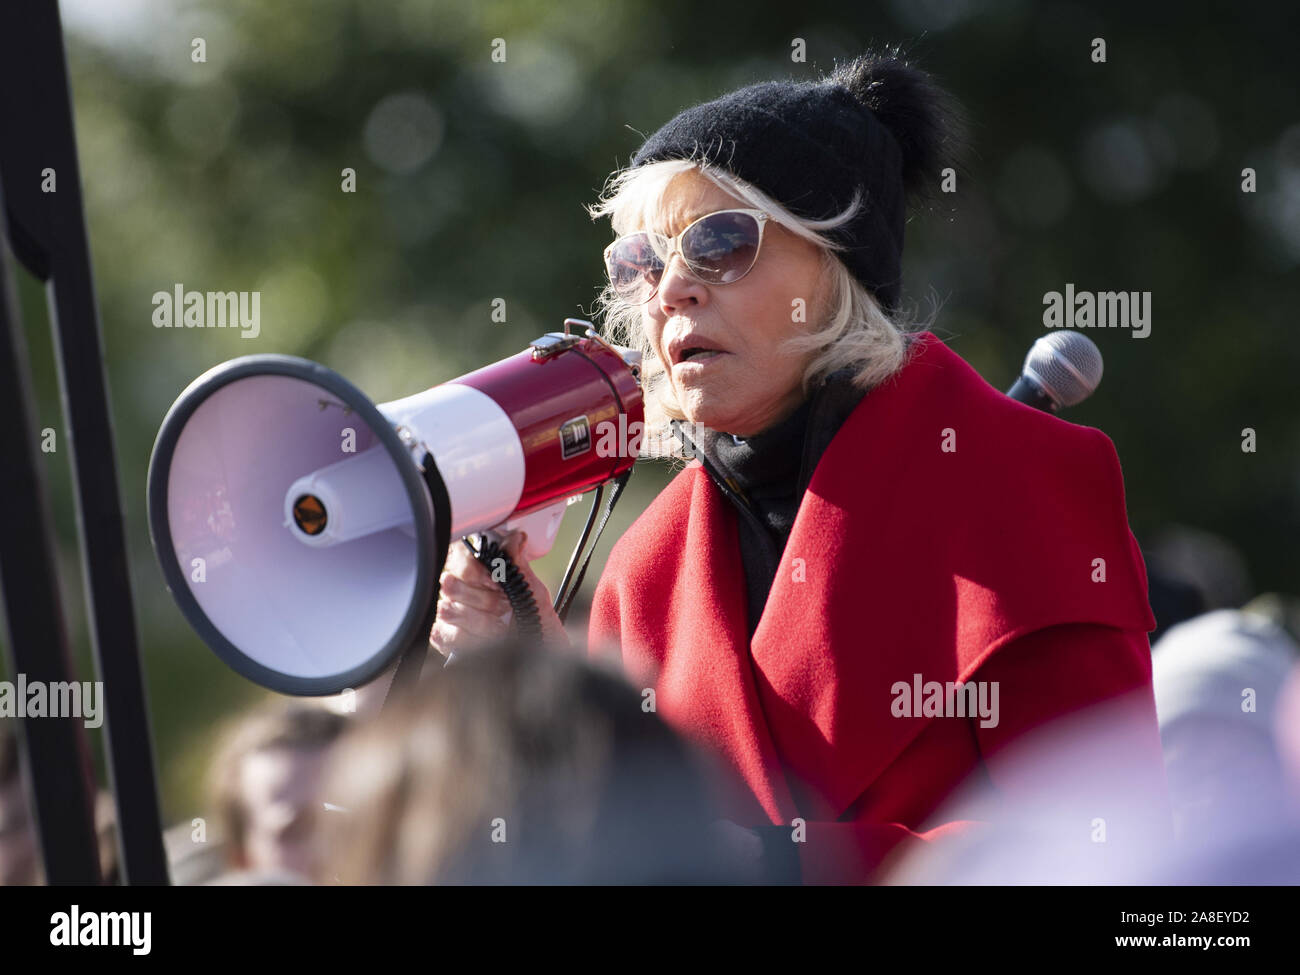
1062	369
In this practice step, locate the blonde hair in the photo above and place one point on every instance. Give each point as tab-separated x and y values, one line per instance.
854	332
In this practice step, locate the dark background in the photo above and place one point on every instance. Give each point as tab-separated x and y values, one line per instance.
471	181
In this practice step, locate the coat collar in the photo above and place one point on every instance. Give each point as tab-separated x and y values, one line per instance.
786	453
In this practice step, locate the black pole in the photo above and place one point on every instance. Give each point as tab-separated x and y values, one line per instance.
59	768
48	233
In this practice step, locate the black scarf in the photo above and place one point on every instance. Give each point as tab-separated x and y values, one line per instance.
766	474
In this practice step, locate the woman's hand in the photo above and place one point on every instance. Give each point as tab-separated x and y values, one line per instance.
472	607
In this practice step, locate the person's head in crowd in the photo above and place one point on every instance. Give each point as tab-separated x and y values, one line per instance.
265	786
1255	837
515	765
19	861
1217	681
1279	608
1173	599
1287	731
1211	566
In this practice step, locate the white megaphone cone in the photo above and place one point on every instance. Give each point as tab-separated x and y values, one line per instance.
302	528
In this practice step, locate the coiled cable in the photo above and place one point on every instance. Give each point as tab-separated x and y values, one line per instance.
528	620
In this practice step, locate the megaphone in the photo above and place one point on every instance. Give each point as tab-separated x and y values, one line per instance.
302	529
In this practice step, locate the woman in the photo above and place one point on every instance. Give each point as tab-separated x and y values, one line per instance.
864	517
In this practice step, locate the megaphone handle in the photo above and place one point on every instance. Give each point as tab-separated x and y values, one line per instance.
541	526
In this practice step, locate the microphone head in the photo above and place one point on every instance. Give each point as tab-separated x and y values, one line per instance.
1067	365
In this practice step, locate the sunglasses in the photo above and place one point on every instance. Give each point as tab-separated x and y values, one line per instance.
718	248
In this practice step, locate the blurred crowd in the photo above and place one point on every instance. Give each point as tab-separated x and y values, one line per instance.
518	765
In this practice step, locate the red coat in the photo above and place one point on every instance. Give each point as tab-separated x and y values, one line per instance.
951	564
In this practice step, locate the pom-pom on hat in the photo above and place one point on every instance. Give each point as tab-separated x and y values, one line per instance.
875	127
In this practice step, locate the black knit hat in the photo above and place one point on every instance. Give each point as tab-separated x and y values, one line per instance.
877	126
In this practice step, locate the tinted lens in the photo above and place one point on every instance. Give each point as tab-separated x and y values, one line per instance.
722	247
634	268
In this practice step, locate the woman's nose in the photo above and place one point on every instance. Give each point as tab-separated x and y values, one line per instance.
678	287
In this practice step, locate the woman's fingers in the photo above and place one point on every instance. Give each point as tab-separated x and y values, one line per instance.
489	600
472	606
462	564
448	638
458	628
470	619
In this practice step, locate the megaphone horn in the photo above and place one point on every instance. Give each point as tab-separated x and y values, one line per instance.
302	528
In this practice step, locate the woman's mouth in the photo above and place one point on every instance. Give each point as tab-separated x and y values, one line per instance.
698	358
